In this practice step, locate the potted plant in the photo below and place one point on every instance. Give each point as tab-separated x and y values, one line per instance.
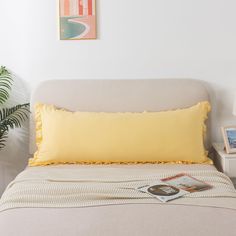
12	117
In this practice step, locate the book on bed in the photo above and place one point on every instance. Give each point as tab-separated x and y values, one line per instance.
187	183
173	187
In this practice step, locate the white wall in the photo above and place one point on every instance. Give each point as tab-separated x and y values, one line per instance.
136	39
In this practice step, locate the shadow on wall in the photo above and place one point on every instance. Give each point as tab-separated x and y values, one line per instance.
14	156
222	107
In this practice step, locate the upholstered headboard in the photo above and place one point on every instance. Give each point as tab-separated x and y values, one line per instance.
117	96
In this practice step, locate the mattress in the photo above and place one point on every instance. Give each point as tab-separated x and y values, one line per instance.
199	215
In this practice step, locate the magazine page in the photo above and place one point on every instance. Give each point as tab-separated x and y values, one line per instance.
162	191
187	183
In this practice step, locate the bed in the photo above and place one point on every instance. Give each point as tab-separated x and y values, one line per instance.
66	209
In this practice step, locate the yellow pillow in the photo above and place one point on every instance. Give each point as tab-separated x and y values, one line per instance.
97	137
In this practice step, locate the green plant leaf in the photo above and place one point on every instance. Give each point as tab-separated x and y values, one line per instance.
5	84
3	138
13	117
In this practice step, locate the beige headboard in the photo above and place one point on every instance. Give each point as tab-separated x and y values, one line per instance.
117	96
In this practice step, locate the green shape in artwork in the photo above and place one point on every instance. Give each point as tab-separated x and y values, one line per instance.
70	29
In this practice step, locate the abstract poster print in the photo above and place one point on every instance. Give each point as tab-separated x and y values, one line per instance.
77	19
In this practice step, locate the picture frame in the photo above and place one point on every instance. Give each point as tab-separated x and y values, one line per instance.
77	19
229	136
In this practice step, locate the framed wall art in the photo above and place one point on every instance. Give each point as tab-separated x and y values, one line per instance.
77	19
229	135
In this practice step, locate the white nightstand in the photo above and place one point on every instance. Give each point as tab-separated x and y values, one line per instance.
225	163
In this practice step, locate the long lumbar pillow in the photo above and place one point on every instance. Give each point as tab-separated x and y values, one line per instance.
97	137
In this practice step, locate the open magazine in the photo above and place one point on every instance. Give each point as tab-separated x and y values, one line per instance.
174	187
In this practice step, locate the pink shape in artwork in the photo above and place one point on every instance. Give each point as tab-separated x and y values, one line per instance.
80	3
67	7
91	22
90	7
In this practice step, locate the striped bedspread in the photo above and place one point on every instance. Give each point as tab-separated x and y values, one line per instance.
67	186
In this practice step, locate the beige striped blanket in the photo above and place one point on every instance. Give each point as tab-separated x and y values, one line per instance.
103	185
